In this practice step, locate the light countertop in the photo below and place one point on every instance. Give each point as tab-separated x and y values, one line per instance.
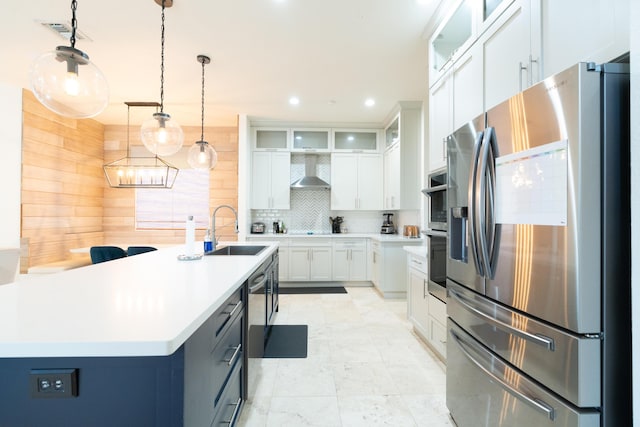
144	305
391	238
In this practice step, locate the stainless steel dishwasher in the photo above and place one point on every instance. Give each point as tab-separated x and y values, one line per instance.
257	315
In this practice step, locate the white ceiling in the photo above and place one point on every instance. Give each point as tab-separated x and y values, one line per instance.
332	54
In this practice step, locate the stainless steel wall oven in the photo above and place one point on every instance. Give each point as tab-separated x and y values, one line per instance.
436	192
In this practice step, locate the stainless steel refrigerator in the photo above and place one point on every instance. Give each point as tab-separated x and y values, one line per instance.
538	257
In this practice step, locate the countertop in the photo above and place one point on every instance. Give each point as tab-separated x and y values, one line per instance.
392	238
144	305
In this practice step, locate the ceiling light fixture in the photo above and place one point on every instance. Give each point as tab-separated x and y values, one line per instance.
160	134
139	172
370	102
67	82
202	155
294	100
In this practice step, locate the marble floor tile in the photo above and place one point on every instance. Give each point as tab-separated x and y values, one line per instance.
304	412
374	411
363	379
429	410
365	367
304	377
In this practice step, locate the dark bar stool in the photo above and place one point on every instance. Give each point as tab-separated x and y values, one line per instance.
106	253
135	250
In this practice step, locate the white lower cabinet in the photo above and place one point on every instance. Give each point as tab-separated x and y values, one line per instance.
310	261
392	272
427	313
374	262
350	260
418	296
437	329
283	264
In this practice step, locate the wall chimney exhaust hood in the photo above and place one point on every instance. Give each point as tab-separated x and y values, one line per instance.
310	180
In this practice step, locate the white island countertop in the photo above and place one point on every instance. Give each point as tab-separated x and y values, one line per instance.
144	305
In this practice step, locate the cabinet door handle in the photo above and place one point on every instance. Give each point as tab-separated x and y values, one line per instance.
531	62
234	356
236	411
521	68
444	148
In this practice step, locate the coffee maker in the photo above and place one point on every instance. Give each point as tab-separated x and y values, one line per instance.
336	224
387	224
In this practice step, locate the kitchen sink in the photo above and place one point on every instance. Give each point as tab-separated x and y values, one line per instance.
237	250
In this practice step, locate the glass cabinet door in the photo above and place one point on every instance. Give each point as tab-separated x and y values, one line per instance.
356	140
392	133
452	34
311	140
271	139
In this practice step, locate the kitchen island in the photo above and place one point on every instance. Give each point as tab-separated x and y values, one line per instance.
126	339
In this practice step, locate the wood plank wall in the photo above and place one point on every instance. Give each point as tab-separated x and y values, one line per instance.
62	183
66	201
119	204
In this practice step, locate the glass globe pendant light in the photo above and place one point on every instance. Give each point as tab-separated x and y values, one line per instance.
161	135
201	155
67	82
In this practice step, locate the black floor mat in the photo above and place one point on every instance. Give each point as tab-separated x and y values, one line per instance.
287	341
313	290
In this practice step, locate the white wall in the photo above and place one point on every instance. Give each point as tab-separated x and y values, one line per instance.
10	172
635	203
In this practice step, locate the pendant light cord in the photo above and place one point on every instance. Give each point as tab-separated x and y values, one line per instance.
202	116
74	23
162	62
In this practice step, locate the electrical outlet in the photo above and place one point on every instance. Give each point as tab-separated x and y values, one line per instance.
53	383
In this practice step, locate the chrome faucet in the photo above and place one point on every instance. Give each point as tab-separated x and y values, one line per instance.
213	223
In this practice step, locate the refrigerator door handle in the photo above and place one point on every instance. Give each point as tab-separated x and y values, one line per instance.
482	199
493	230
543	341
531	401
473	210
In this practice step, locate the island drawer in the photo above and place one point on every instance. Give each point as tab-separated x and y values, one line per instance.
226	354
230	402
222	318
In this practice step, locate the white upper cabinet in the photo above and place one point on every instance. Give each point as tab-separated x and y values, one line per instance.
271	139
392	171
313	140
440	121
511	51
467	87
452	37
583	30
402	164
356	181
270	180
355	140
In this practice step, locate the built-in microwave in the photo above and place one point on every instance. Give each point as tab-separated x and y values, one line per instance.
436	192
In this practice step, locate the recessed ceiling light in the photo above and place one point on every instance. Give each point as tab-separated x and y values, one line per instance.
370	102
294	100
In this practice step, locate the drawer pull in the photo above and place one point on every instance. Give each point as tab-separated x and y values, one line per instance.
232	420
235	354
237	306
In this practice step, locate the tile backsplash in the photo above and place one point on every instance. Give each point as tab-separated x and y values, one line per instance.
310	212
